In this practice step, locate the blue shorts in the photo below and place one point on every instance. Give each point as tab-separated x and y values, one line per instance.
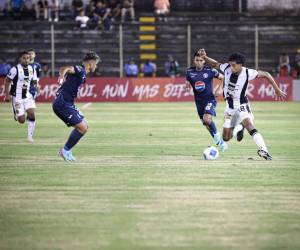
67	111
208	107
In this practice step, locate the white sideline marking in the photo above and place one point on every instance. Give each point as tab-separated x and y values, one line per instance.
86	105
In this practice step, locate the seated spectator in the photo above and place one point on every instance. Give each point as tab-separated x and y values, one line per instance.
82	20
28	9
16	8
171	67
297	62
284	67
115	9
127	6
77	6
4	68
101	16
4	7
90	7
53	8
162	9
45	70
41	7
131	69
148	69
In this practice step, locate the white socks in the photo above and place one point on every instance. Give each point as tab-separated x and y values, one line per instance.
259	140
31	127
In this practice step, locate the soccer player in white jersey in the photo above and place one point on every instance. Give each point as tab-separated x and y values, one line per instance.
17	84
238	112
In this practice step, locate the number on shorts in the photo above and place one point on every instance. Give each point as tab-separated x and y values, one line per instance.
208	106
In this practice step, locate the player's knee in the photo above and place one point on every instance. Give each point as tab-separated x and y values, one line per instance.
84	129
31	118
21	119
227	136
206	121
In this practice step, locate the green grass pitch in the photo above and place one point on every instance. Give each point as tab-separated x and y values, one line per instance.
140	182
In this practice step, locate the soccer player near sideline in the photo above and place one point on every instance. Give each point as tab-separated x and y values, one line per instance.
17	84
200	78
71	78
238	108
34	88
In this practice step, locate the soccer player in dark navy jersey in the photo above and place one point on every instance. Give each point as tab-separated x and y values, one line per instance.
34	88
200	78
71	79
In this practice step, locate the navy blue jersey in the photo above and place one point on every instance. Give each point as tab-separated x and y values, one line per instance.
72	83
202	82
38	68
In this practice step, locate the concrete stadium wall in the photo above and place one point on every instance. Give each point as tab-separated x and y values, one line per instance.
278	5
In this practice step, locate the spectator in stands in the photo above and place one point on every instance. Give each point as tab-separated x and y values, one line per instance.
162	9
53	8
115	8
284	67
148	68
41	6
131	69
28	9
4	7
127	6
90	7
4	68
82	20
297	62
101	16
77	6
45	70
171	67
16	8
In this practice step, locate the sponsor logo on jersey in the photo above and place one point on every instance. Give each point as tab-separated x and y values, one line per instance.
205	75
199	86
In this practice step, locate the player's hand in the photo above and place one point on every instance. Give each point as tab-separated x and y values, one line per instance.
7	98
60	80
187	86
202	52
280	94
38	88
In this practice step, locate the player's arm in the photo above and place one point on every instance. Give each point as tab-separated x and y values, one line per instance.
7	84
219	89
212	62
187	86
264	74
63	71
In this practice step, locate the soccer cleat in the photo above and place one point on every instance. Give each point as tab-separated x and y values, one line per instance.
240	134
264	154
71	156
65	154
217	139
223	145
30	139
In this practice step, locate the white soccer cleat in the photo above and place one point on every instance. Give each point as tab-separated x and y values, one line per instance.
30	139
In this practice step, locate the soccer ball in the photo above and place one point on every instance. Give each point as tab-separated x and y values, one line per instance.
210	153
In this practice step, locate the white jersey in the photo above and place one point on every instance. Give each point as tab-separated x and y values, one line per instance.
21	77
235	85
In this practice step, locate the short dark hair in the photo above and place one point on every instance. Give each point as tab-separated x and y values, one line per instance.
31	50
91	55
23	53
196	54
238	58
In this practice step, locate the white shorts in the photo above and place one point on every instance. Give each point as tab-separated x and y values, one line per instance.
20	106
234	117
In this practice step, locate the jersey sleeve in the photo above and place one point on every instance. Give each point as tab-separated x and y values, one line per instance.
252	74
78	70
223	66
34	77
187	76
215	73
38	70
12	73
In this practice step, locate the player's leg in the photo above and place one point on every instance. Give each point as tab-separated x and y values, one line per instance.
209	112
31	123
19	110
227	127
247	121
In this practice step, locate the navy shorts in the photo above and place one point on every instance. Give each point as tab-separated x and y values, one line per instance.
67	111
208	107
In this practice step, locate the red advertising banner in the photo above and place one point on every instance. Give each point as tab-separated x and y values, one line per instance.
112	89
